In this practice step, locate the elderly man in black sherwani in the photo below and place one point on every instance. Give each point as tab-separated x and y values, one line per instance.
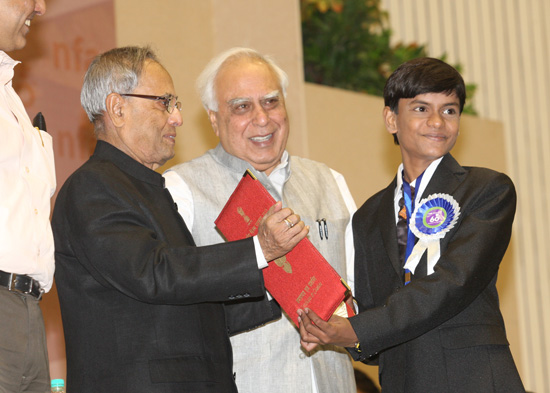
141	304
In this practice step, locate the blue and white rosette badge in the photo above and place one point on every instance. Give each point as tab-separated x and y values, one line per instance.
433	218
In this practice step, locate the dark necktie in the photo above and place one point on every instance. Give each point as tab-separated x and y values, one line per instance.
402	232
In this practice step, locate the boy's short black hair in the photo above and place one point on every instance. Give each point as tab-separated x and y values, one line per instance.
420	76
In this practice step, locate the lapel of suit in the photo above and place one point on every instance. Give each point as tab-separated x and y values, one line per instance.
386	214
445	180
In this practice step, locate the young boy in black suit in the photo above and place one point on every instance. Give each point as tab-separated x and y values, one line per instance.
428	249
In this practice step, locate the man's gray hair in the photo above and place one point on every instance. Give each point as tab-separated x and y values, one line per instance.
205	81
115	71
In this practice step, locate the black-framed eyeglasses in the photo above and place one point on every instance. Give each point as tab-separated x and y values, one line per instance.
169	101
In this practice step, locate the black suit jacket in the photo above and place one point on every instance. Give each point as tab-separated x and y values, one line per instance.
140	303
443	332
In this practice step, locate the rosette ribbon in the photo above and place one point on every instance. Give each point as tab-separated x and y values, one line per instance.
433	218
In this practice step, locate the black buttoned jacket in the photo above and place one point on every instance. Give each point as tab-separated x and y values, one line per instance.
443	332
141	304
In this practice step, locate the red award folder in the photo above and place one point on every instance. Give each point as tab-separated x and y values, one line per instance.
303	277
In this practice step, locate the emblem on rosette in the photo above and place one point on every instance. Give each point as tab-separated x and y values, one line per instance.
432	219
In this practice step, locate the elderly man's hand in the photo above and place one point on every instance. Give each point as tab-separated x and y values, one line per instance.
315	331
280	230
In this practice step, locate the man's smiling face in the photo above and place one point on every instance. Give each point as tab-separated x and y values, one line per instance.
251	120
15	21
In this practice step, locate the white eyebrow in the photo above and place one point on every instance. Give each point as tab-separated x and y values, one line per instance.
240	100
237	101
273	94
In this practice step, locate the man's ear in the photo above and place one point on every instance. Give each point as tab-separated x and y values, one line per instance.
213	116
115	105
390	119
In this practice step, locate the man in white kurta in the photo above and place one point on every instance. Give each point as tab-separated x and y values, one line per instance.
244	95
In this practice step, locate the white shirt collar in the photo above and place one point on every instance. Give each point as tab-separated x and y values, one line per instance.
426	178
6	68
281	173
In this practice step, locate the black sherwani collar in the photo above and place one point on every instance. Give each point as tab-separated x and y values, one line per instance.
108	152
